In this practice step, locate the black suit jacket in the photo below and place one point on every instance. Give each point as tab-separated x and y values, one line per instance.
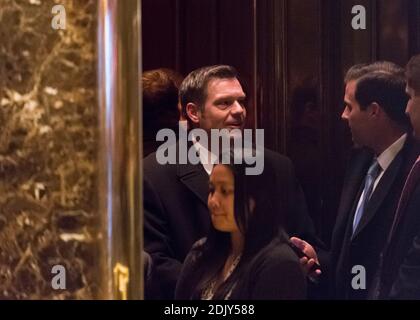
400	273
401	277
365	246
176	214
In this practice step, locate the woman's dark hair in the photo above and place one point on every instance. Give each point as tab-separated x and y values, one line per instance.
259	227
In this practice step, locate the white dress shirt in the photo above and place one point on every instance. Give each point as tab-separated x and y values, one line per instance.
207	158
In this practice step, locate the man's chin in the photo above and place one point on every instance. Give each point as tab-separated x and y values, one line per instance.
357	144
235	128
235	132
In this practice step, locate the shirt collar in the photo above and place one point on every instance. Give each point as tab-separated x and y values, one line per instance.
386	157
207	158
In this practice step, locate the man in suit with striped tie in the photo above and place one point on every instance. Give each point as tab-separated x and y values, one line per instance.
399	273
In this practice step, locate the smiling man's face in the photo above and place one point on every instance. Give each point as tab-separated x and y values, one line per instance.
224	107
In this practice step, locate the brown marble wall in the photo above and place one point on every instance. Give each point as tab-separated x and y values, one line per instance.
48	150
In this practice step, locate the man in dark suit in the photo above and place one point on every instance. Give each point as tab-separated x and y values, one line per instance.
175	195
375	103
399	273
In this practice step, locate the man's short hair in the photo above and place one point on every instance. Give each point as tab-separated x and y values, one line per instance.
355	72
388	91
194	87
412	73
359	70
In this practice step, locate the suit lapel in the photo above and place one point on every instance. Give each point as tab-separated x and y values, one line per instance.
195	178
359	164
381	191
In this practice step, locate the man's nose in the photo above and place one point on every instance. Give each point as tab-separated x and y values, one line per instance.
237	108
345	114
407	109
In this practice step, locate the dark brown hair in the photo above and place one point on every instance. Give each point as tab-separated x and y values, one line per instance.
412	73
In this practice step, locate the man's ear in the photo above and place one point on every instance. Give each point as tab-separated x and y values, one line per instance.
193	112
375	109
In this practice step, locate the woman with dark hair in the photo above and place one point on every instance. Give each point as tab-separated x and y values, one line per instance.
246	253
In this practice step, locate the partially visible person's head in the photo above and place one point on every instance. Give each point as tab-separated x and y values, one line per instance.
160	105
160	100
375	101
413	90
242	203
213	98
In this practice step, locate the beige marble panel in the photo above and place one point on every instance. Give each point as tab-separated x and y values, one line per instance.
48	150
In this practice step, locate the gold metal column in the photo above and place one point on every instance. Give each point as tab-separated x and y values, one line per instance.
120	176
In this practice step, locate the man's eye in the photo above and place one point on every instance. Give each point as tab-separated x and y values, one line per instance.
224	104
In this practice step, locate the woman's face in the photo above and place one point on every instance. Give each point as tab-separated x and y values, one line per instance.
221	198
